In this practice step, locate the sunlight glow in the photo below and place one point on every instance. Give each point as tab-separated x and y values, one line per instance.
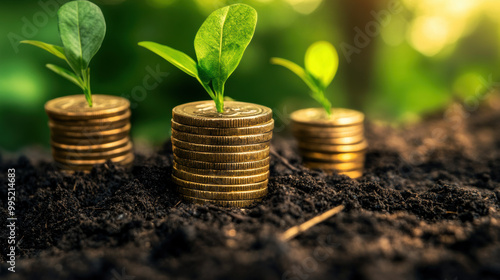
429	35
441	23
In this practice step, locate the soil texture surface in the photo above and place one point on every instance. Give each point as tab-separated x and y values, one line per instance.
426	208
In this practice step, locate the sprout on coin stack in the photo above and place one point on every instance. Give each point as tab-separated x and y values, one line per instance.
221	149
85	129
329	138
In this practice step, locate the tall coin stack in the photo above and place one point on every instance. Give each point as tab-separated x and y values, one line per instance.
84	136
221	158
335	143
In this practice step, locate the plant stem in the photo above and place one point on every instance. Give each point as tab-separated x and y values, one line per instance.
320	97
219	103
86	85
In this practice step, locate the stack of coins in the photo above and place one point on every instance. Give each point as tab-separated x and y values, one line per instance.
334	143
84	136
221	158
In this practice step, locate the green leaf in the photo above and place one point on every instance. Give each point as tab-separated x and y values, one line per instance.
177	58
221	42
82	29
53	49
299	71
322	62
70	76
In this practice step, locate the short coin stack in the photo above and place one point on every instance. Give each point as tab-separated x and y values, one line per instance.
221	158
84	136
331	144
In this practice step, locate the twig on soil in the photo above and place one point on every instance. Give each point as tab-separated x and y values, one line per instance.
284	161
296	230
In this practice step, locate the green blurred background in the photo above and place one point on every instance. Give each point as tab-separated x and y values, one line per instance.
399	60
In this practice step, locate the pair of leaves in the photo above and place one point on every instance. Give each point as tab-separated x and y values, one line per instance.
219	45
82	29
321	65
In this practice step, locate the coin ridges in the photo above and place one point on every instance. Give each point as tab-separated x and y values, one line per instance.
333	157
91	148
221	157
57	127
223	180
218	187
219	148
214	172
311	128
222	166
96	140
350	140
333	148
236	195
250	130
98	133
89	163
223	140
85	123
92	155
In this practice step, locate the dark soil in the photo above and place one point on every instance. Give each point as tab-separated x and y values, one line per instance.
427	208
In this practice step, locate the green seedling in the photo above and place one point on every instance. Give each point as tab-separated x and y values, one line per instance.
219	46
82	29
321	64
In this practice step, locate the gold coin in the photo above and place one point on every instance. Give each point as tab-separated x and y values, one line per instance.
70	169
91	134
334	157
318	117
57	127
250	130
223	140
236	114
125	161
315	147
223	195
94	154
222	203
222	166
75	107
213	172
219	148
223	180
355	174
333	141
96	140
326	132
91	148
76	161
81	124
221	157
340	166
219	188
